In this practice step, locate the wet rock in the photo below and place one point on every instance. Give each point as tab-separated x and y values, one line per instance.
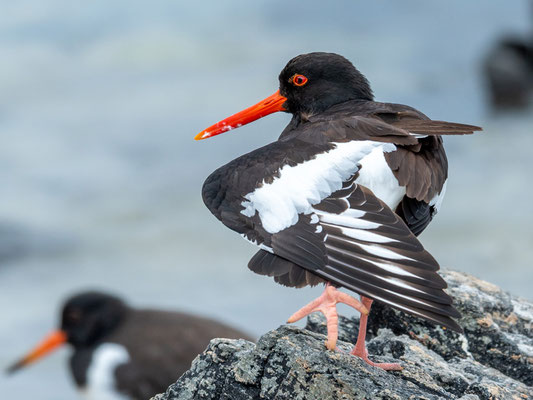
493	360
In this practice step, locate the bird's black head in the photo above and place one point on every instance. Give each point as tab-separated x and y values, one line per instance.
89	316
309	84
86	318
316	81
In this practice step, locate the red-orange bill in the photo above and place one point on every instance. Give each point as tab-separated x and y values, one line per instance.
51	342
267	106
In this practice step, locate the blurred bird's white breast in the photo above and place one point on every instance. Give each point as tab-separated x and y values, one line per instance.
101	384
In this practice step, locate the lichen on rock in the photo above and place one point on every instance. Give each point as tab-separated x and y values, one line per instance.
491	361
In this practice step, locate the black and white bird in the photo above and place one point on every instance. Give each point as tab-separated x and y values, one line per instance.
340	197
124	353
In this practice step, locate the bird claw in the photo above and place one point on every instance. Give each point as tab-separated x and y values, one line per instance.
326	304
384	366
360	347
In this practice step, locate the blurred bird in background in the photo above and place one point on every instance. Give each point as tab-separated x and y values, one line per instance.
121	352
508	70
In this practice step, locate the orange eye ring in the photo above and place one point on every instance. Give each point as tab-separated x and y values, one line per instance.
299	80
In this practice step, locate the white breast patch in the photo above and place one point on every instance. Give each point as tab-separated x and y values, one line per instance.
376	175
300	187
100	375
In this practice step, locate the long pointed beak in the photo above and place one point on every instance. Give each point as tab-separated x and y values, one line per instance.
51	342
267	106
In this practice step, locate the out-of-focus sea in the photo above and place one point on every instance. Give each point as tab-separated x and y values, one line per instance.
101	178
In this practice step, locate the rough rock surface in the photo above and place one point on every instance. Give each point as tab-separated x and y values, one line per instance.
492	360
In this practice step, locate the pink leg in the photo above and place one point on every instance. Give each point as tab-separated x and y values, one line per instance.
326	304
360	347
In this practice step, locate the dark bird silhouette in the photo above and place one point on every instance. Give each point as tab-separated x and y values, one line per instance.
121	352
508	69
341	196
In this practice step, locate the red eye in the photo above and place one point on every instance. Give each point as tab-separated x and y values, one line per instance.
299	80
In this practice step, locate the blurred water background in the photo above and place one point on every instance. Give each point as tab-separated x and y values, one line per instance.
101	179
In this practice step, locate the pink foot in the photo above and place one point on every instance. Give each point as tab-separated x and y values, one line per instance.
360	347
326	304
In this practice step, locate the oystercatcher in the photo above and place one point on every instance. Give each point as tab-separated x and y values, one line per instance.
121	352
340	197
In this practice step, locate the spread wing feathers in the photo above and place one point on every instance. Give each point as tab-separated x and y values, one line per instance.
283	271
357	242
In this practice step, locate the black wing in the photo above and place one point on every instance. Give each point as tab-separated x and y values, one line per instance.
421	168
283	271
417	214
354	240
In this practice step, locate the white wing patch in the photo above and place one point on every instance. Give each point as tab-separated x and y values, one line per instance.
388	267
261	246
350	218
101	383
437	200
363	235
382	252
353	225
300	187
376	175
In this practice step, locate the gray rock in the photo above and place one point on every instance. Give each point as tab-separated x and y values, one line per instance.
493	360
498	327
